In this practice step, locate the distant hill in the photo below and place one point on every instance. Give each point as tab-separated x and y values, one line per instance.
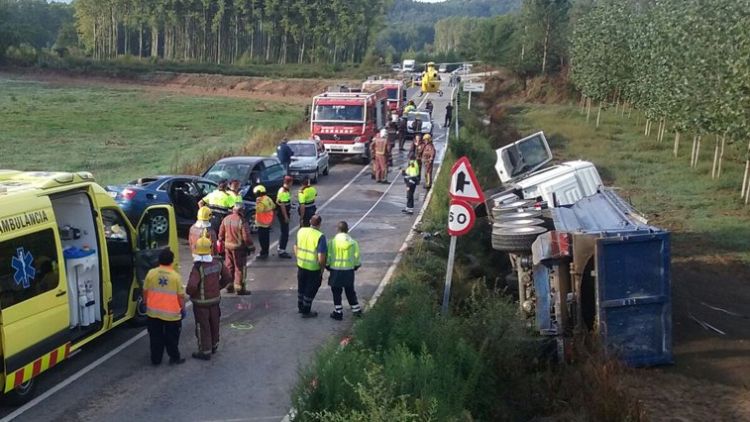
412	12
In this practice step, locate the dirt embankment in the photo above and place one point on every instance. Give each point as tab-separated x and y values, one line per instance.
293	91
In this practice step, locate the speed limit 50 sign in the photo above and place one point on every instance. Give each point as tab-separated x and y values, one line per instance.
460	217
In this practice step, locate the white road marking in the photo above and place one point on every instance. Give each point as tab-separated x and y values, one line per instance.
90	367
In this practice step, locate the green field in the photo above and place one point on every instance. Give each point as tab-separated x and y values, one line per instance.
120	134
706	215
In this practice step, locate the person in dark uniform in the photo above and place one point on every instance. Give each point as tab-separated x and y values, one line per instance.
284	211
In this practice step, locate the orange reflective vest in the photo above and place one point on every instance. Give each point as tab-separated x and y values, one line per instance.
162	291
264	207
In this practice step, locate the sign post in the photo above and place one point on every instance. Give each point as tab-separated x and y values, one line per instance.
473	87
464	190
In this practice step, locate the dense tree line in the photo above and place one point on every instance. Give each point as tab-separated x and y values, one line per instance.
228	31
33	22
531	41
411	24
679	61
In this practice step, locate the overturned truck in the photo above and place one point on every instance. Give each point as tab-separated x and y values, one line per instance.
582	258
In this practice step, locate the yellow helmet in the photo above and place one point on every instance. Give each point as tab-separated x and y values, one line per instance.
204	214
203	245
259	189
427	137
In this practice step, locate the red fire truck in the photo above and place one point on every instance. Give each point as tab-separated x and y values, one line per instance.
346	122
395	88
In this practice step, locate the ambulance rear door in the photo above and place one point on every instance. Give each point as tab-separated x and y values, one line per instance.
33	299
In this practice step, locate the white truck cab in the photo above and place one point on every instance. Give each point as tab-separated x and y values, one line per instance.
521	167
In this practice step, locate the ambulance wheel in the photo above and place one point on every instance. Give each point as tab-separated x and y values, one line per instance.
22	394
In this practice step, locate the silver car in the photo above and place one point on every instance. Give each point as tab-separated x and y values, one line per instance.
310	159
424	126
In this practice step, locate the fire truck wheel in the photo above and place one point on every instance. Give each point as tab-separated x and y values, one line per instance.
22	394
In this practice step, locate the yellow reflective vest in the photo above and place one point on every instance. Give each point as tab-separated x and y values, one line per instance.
307	195
307	248
343	253
219	198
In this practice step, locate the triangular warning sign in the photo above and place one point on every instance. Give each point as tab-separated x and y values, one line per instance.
464	183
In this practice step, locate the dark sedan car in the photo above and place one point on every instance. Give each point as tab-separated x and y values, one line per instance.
183	192
250	171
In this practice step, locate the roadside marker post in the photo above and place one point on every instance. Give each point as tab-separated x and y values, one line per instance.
464	190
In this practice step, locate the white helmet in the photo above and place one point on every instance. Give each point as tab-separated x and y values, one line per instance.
383	133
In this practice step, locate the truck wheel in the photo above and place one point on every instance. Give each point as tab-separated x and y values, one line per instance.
22	394
519	222
517	239
505	216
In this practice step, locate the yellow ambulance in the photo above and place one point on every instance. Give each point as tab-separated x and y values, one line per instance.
71	269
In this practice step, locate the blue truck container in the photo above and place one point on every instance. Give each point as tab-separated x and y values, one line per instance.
604	269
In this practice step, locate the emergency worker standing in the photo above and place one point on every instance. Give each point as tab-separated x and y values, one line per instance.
164	298
284	212
311	250
306	198
428	158
202	227
342	261
264	210
207	277
409	107
234	234
411	178
381	157
448	115
219	198
402	133
429	107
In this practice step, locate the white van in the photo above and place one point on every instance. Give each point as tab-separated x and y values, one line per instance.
521	167
408	66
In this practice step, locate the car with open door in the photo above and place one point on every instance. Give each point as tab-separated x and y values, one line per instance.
181	191
72	267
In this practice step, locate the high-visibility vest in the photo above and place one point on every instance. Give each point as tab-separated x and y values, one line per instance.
219	198
264	207
283	196
234	198
343	253
161	291
307	248
307	195
413	169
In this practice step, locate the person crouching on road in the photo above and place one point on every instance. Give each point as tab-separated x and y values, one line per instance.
207	277
428	158
342	261
306	198
264	210
311	250
411	178
234	234
284	212
381	156
164	298
202	227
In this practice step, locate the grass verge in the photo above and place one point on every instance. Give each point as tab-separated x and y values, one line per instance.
405	362
121	134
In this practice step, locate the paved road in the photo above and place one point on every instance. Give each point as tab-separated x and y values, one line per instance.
264	341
